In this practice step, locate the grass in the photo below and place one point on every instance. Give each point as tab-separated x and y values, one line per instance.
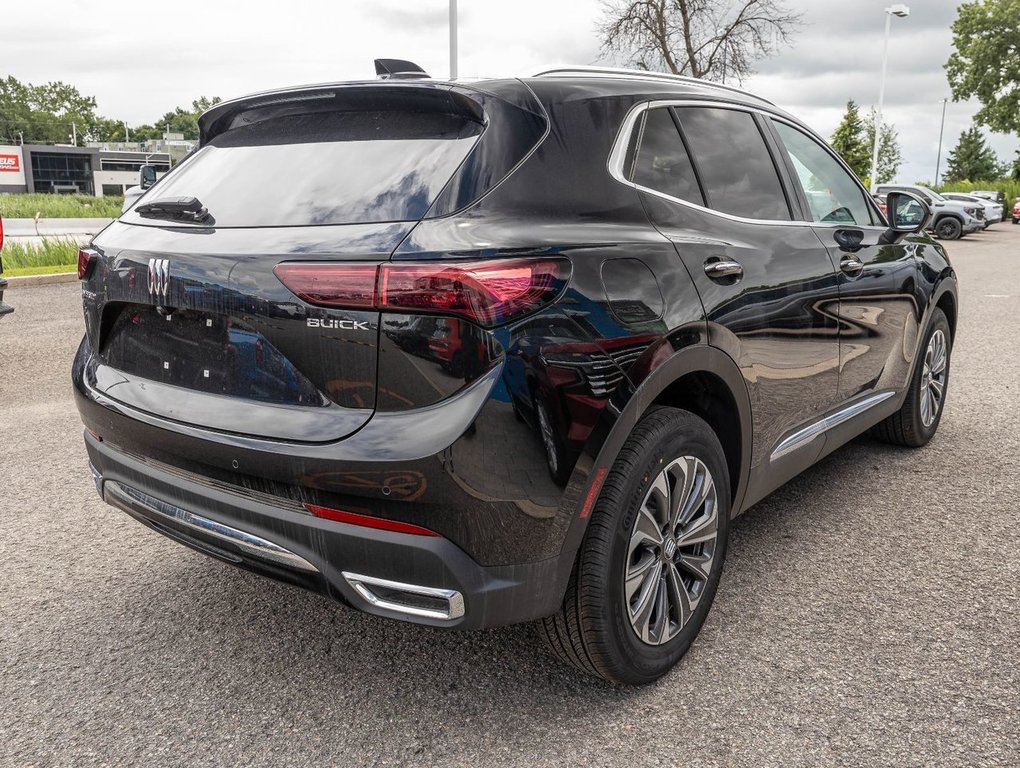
54	269
1009	188
52	255
60	206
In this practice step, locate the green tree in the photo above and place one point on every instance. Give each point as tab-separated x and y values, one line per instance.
849	140
986	63
47	114
889	155
1015	172
972	159
185	121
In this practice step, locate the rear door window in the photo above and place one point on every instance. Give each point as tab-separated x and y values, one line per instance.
329	167
734	163
832	194
661	162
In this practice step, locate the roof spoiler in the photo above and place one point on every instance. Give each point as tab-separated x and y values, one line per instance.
398	69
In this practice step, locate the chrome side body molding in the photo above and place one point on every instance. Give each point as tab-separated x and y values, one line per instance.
805	435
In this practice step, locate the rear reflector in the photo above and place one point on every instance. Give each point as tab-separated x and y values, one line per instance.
366	521
86	258
489	293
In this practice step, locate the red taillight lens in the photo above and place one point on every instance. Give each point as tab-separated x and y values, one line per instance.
86	258
488	293
367	521
329	284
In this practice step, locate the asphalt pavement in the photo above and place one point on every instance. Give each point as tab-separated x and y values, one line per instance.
869	613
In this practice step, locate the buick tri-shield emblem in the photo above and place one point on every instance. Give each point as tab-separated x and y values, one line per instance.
159	279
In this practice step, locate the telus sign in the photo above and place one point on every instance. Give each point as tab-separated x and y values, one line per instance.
12	170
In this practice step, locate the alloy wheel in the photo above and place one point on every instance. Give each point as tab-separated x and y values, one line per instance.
933	378
672	550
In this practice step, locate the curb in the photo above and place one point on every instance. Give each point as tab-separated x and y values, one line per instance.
27	280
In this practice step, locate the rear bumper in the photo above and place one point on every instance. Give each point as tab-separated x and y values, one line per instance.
423	579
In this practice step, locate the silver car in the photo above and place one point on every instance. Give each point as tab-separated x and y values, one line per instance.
993	211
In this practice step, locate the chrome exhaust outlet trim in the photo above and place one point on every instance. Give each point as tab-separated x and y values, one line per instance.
97	478
127	497
369	588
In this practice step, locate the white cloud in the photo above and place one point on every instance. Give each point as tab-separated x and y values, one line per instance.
142	63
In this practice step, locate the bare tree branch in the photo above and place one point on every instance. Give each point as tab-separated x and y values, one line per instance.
700	38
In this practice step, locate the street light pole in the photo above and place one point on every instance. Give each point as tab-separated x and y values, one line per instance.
901	11
453	39
938	157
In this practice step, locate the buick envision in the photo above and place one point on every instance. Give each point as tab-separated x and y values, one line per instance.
468	354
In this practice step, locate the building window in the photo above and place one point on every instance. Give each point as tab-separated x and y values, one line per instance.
113	189
130	165
58	172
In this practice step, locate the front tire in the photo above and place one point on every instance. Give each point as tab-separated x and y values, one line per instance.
948	228
916	422
652	557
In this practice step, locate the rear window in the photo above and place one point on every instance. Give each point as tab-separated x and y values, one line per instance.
323	168
662	162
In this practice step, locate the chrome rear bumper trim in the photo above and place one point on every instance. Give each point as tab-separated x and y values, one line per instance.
125	496
363	586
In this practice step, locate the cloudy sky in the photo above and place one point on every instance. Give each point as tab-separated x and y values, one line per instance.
139	63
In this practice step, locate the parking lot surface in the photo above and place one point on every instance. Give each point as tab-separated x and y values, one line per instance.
869	613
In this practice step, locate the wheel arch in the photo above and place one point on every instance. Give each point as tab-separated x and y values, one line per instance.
699	378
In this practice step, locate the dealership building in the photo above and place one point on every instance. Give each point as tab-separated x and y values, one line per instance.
100	169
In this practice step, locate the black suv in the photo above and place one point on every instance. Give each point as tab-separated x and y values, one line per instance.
467	354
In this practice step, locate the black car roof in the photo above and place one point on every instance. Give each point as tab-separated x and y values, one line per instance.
591	82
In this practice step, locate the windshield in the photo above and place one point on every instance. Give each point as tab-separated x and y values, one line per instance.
323	168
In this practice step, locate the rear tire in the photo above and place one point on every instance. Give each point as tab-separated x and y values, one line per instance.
948	228
916	422
640	590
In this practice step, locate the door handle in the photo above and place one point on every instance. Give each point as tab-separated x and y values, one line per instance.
851	265
723	269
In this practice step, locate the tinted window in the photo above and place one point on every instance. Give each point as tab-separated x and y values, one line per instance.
734	162
832	194
324	168
662	162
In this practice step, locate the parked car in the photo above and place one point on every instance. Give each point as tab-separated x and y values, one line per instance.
880	201
990	194
951	219
992	210
1016	211
762	313
147	177
5	309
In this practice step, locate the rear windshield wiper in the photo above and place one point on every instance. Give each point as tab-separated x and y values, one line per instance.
175	208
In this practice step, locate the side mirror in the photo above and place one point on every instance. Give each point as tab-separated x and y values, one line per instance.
907	214
146	176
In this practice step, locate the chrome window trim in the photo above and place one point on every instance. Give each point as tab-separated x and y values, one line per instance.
617	156
805	435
